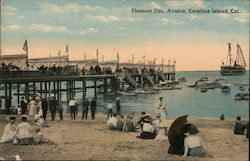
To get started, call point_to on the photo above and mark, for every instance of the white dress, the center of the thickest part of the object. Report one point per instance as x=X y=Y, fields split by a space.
x=161 y=135
x=33 y=108
x=24 y=130
x=162 y=110
x=9 y=133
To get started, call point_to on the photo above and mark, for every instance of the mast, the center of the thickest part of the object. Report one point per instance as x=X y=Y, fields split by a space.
x=229 y=56
x=240 y=53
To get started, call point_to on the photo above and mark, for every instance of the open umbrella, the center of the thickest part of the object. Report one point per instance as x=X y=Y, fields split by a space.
x=176 y=128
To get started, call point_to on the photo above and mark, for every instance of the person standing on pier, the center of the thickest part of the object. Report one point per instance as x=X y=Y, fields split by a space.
x=118 y=106
x=53 y=104
x=93 y=108
x=72 y=106
x=44 y=103
x=85 y=108
x=23 y=106
x=110 y=108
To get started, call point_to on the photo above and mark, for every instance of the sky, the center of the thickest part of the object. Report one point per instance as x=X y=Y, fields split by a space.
x=196 y=41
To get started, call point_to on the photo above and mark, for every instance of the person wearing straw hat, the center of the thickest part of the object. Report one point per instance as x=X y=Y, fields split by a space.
x=9 y=131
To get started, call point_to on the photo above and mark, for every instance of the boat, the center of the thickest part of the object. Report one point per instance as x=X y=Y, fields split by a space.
x=246 y=96
x=182 y=79
x=225 y=88
x=238 y=68
x=177 y=88
x=242 y=88
x=203 y=89
x=126 y=93
x=238 y=96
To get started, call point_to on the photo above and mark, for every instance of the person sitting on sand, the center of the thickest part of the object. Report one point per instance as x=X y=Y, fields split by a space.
x=9 y=131
x=128 y=125
x=222 y=117
x=112 y=122
x=40 y=122
x=120 y=122
x=24 y=134
x=39 y=137
x=141 y=121
x=148 y=130
x=246 y=126
x=238 y=127
x=192 y=144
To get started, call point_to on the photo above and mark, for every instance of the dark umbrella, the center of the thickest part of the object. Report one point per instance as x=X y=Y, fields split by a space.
x=176 y=128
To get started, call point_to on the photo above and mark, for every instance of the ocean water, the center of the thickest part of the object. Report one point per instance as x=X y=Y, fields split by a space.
x=190 y=101
x=187 y=101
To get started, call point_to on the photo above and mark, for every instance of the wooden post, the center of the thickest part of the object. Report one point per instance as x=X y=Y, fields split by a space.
x=83 y=89
x=54 y=87
x=18 y=93
x=57 y=89
x=46 y=88
x=10 y=90
x=95 y=89
x=34 y=88
x=105 y=85
x=41 y=89
x=6 y=90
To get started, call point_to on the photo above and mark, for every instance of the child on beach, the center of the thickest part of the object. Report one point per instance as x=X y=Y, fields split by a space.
x=238 y=127
x=24 y=134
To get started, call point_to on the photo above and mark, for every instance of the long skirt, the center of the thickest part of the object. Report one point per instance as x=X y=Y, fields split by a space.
x=197 y=152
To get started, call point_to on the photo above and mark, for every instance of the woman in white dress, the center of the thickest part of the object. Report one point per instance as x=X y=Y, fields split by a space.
x=9 y=131
x=32 y=107
x=24 y=131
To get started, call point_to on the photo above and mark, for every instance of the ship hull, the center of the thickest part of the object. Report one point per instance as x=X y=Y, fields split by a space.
x=233 y=70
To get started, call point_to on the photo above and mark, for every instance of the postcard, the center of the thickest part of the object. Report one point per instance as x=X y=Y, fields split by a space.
x=124 y=80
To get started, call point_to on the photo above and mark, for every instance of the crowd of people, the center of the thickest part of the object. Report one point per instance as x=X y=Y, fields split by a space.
x=151 y=126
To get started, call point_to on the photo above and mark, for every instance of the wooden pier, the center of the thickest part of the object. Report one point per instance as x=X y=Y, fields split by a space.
x=30 y=83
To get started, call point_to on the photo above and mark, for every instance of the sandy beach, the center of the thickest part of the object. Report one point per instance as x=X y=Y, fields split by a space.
x=92 y=140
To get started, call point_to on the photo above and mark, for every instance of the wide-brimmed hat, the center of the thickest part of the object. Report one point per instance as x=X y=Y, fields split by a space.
x=148 y=119
x=12 y=117
x=24 y=116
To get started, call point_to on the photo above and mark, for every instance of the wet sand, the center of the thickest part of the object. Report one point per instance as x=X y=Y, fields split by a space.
x=92 y=140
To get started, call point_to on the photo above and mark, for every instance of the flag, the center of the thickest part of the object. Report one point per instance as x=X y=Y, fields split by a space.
x=143 y=57
x=97 y=53
x=174 y=61
x=117 y=56
x=25 y=46
x=59 y=53
x=67 y=50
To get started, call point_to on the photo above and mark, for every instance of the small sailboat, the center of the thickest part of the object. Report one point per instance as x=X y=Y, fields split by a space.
x=241 y=88
x=225 y=88
x=238 y=96
x=204 y=89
